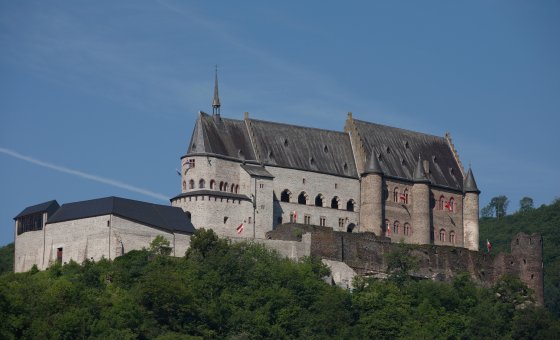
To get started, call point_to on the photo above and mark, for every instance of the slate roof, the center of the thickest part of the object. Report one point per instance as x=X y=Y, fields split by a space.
x=50 y=207
x=398 y=151
x=155 y=215
x=216 y=193
x=470 y=183
x=256 y=171
x=221 y=136
x=304 y=148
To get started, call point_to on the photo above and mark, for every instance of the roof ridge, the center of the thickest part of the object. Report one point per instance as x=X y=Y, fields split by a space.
x=400 y=129
x=298 y=126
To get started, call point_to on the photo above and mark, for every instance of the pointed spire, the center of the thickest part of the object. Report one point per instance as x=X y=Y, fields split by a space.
x=373 y=166
x=419 y=173
x=216 y=101
x=469 y=184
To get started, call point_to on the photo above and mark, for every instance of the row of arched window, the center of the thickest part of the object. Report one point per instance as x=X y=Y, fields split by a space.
x=400 y=197
x=303 y=198
x=448 y=205
x=396 y=228
x=443 y=237
x=223 y=186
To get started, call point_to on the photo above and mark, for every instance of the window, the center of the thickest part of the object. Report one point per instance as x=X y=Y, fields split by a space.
x=188 y=215
x=237 y=188
x=406 y=229
x=336 y=186
x=285 y=196
x=261 y=185
x=302 y=198
x=221 y=186
x=292 y=217
x=184 y=185
x=452 y=204
x=303 y=181
x=440 y=202
x=322 y=221
x=226 y=186
x=191 y=184
x=201 y=183
x=250 y=220
x=319 y=200
x=307 y=219
x=350 y=205
x=190 y=163
x=452 y=237
x=341 y=223
x=396 y=195
x=404 y=196
x=59 y=255
x=396 y=227
x=212 y=184
x=387 y=228
x=334 y=202
x=350 y=228
x=442 y=235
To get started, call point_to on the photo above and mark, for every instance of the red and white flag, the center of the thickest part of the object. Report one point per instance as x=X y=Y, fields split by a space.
x=240 y=228
x=389 y=231
x=448 y=205
x=295 y=217
x=403 y=197
x=488 y=245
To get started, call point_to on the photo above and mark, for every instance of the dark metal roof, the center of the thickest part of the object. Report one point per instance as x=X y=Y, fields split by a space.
x=155 y=215
x=215 y=193
x=373 y=166
x=470 y=183
x=222 y=136
x=257 y=171
x=50 y=207
x=303 y=148
x=398 y=150
x=420 y=173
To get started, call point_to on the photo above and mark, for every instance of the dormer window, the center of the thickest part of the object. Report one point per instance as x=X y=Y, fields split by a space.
x=326 y=149
x=286 y=142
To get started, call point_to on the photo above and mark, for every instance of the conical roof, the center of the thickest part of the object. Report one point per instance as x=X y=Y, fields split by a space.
x=216 y=100
x=373 y=166
x=470 y=184
x=419 y=173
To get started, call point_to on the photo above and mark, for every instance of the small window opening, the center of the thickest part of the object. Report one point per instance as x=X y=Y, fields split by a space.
x=302 y=199
x=225 y=219
x=350 y=205
x=59 y=255
x=319 y=200
x=326 y=149
x=334 y=202
x=285 y=141
x=285 y=196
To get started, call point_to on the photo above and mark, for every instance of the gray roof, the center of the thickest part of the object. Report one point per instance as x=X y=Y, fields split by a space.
x=221 y=136
x=215 y=193
x=155 y=215
x=373 y=166
x=303 y=148
x=420 y=173
x=257 y=171
x=398 y=150
x=49 y=207
x=470 y=183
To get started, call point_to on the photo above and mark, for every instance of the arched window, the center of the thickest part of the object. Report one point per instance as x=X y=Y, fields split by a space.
x=201 y=183
x=232 y=188
x=442 y=235
x=350 y=205
x=191 y=184
x=452 y=237
x=319 y=200
x=237 y=188
x=452 y=204
x=440 y=203
x=350 y=227
x=285 y=196
x=222 y=186
x=406 y=229
x=396 y=227
x=334 y=202
x=184 y=185
x=404 y=197
x=212 y=184
x=396 y=195
x=225 y=186
x=302 y=198
x=387 y=228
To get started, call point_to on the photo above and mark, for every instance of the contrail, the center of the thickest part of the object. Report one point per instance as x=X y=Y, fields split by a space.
x=84 y=175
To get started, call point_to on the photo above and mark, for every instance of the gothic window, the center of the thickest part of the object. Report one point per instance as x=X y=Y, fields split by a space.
x=387 y=228
x=307 y=219
x=440 y=202
x=334 y=202
x=406 y=229
x=452 y=204
x=184 y=185
x=285 y=196
x=237 y=188
x=404 y=196
x=221 y=186
x=226 y=186
x=191 y=184
x=340 y=223
x=442 y=235
x=396 y=195
x=396 y=227
x=201 y=183
x=350 y=205
x=452 y=237
x=302 y=198
x=319 y=200
x=232 y=188
x=322 y=221
x=212 y=184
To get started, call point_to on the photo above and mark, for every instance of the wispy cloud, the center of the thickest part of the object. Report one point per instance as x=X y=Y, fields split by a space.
x=77 y=173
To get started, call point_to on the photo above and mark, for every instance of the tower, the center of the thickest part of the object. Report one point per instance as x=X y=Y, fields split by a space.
x=470 y=212
x=216 y=100
x=371 y=207
x=420 y=206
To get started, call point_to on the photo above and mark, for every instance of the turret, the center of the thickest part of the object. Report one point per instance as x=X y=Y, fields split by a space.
x=470 y=212
x=421 y=217
x=371 y=207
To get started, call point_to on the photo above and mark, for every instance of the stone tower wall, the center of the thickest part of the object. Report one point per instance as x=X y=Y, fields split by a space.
x=421 y=214
x=371 y=206
x=528 y=254
x=470 y=221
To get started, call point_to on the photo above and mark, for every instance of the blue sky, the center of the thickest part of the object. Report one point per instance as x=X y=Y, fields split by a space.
x=99 y=98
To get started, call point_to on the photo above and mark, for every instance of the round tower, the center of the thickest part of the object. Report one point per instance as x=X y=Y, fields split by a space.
x=371 y=205
x=421 y=217
x=470 y=212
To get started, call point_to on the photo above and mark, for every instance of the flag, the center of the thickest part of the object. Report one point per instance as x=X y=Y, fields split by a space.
x=488 y=245
x=448 y=206
x=403 y=197
x=295 y=217
x=240 y=228
x=389 y=231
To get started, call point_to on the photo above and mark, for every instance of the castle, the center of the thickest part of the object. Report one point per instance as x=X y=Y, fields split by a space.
x=345 y=196
x=256 y=174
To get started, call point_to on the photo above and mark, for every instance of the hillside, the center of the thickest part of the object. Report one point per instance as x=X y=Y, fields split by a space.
x=243 y=291
x=544 y=220
x=7 y=258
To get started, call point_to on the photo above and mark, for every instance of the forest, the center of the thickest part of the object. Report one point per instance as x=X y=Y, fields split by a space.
x=244 y=291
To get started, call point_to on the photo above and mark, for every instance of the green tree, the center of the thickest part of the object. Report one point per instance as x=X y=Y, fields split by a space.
x=160 y=246
x=526 y=204
x=400 y=262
